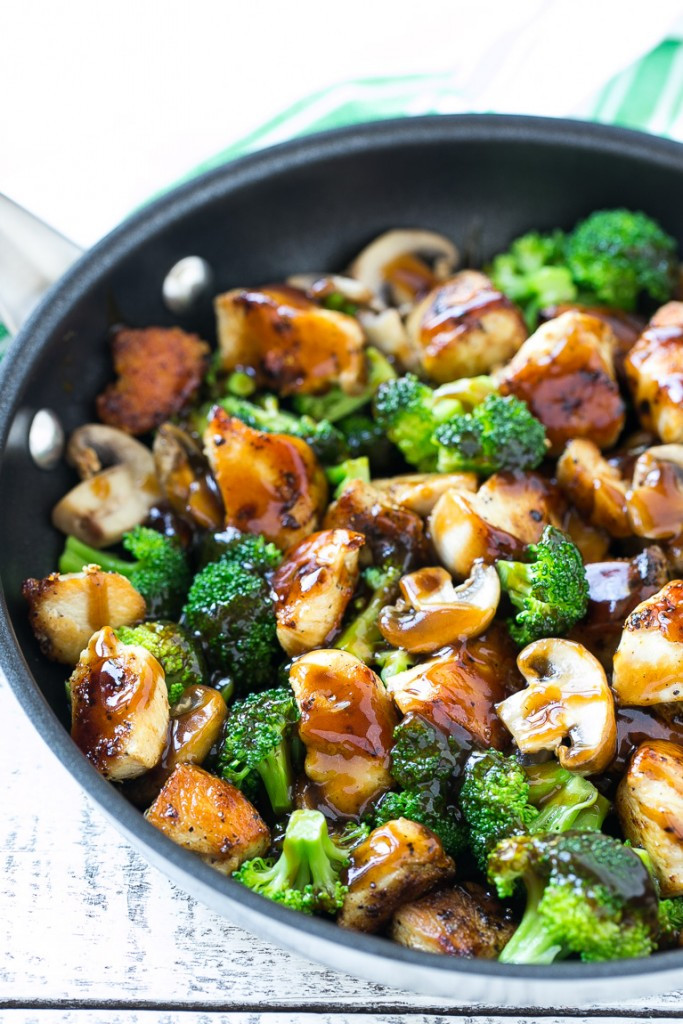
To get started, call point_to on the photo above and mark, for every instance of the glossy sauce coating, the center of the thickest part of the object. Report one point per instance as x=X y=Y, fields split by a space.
x=655 y=502
x=654 y=369
x=186 y=479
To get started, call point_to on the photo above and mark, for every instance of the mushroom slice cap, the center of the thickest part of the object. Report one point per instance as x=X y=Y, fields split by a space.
x=186 y=478
x=434 y=613
x=386 y=330
x=648 y=664
x=567 y=698
x=319 y=285
x=655 y=498
x=387 y=250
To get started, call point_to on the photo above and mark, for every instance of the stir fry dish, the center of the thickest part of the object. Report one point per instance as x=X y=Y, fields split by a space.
x=378 y=606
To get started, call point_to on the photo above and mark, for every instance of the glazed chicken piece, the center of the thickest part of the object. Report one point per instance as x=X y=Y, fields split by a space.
x=347 y=724
x=290 y=343
x=648 y=665
x=595 y=487
x=466 y=921
x=159 y=371
x=270 y=483
x=654 y=369
x=65 y=610
x=397 y=863
x=313 y=586
x=626 y=327
x=565 y=374
x=650 y=806
x=419 y=492
x=465 y=327
x=119 y=707
x=209 y=817
x=655 y=498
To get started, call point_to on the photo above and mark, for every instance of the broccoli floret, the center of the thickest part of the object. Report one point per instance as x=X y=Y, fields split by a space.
x=534 y=274
x=409 y=412
x=362 y=637
x=335 y=404
x=251 y=551
x=306 y=875
x=342 y=475
x=499 y=434
x=258 y=740
x=618 y=255
x=160 y=571
x=670 y=914
x=551 y=590
x=230 y=609
x=177 y=652
x=420 y=806
x=366 y=437
x=328 y=443
x=587 y=893
x=393 y=661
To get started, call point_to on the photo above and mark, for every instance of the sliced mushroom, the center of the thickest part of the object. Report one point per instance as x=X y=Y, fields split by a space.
x=118 y=490
x=648 y=665
x=434 y=613
x=313 y=586
x=186 y=478
x=654 y=370
x=210 y=817
x=419 y=492
x=398 y=862
x=119 y=707
x=321 y=286
x=465 y=327
x=66 y=609
x=650 y=807
x=655 y=498
x=393 y=263
x=567 y=699
x=596 y=488
x=463 y=920
x=461 y=534
x=386 y=330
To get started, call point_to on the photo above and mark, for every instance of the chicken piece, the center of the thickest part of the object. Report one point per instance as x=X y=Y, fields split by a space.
x=565 y=374
x=465 y=327
x=397 y=863
x=614 y=590
x=159 y=371
x=391 y=533
x=347 y=725
x=65 y=610
x=270 y=483
x=654 y=370
x=313 y=586
x=466 y=920
x=626 y=327
x=592 y=541
x=641 y=725
x=210 y=817
x=650 y=808
x=522 y=504
x=596 y=488
x=460 y=688
x=648 y=665
x=119 y=707
x=655 y=498
x=419 y=492
x=290 y=343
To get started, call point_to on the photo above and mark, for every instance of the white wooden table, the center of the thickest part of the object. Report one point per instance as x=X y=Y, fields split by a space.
x=89 y=933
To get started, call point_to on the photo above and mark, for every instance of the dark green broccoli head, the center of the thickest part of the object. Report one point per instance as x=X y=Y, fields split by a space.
x=551 y=590
x=618 y=255
x=422 y=806
x=251 y=551
x=335 y=404
x=230 y=609
x=422 y=755
x=405 y=409
x=177 y=652
x=671 y=918
x=257 y=740
x=500 y=434
x=364 y=436
x=340 y=476
x=587 y=893
x=306 y=875
x=533 y=273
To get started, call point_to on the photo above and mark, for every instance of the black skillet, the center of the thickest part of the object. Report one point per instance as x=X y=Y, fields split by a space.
x=308 y=205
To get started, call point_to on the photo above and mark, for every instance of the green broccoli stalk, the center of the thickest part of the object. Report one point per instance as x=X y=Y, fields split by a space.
x=160 y=571
x=251 y=551
x=587 y=893
x=342 y=475
x=177 y=652
x=336 y=404
x=533 y=273
x=339 y=303
x=362 y=637
x=564 y=800
x=258 y=740
x=619 y=255
x=393 y=661
x=551 y=590
x=500 y=434
x=328 y=443
x=409 y=412
x=306 y=875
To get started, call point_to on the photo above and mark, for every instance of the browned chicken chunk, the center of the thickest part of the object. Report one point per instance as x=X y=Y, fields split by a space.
x=313 y=586
x=654 y=368
x=159 y=371
x=270 y=483
x=210 y=817
x=291 y=344
x=466 y=921
x=648 y=665
x=626 y=327
x=65 y=610
x=398 y=862
x=391 y=532
x=595 y=487
x=347 y=725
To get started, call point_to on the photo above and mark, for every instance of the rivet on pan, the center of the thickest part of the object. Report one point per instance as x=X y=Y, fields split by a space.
x=188 y=281
x=46 y=439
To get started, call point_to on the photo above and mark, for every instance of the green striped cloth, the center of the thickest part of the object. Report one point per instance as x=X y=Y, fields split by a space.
x=647 y=95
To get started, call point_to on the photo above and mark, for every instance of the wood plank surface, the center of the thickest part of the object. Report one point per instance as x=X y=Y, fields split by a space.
x=85 y=922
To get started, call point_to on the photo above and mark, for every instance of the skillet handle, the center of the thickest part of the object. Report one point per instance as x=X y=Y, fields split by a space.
x=32 y=257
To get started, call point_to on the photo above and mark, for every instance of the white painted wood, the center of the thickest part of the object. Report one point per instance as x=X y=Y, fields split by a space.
x=84 y=921
x=192 y=1017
